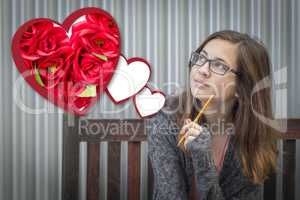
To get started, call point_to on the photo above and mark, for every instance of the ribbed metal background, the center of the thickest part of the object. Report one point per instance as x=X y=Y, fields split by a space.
x=162 y=32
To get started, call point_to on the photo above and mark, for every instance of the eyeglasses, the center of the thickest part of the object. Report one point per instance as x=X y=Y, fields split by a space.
x=215 y=66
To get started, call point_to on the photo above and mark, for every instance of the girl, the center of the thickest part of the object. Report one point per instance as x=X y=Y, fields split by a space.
x=230 y=152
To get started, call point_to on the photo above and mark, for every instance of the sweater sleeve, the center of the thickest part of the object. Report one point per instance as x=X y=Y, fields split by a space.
x=169 y=178
x=234 y=187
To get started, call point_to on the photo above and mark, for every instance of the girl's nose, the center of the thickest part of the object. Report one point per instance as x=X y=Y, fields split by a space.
x=204 y=70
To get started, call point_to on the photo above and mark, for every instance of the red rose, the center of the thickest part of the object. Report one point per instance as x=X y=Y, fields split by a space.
x=70 y=92
x=96 y=50
x=46 y=49
x=74 y=70
x=52 y=69
x=91 y=68
x=42 y=39
x=95 y=37
x=106 y=23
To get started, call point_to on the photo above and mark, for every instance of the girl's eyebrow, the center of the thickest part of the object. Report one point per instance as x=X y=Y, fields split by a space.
x=204 y=51
x=216 y=58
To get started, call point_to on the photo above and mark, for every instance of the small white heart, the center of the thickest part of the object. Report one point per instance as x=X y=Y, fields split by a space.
x=149 y=102
x=128 y=79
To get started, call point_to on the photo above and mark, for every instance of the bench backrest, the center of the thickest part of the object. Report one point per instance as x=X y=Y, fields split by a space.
x=78 y=130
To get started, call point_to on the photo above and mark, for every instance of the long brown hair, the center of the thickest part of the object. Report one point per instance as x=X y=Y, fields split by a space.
x=255 y=141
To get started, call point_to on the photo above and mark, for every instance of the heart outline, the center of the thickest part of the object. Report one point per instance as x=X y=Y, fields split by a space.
x=152 y=92
x=130 y=60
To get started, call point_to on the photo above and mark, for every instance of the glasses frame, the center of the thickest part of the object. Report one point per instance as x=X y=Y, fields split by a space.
x=227 y=68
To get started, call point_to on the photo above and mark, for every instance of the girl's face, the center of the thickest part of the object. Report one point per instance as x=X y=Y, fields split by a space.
x=204 y=82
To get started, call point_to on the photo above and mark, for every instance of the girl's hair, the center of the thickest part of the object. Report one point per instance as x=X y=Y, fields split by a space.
x=255 y=141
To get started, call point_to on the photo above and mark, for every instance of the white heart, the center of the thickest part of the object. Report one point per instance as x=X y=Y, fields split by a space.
x=149 y=102
x=128 y=79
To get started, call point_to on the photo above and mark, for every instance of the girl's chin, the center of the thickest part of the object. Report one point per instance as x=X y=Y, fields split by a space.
x=203 y=94
x=203 y=97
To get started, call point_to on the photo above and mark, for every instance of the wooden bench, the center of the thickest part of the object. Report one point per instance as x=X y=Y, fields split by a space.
x=77 y=130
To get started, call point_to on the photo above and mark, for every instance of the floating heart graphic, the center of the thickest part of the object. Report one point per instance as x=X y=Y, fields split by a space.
x=69 y=64
x=129 y=78
x=148 y=103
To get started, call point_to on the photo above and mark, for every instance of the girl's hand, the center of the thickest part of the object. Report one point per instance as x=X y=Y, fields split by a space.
x=196 y=137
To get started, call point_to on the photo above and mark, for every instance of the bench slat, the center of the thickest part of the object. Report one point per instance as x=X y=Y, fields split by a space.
x=289 y=167
x=70 y=174
x=150 y=180
x=113 y=182
x=93 y=171
x=270 y=187
x=134 y=173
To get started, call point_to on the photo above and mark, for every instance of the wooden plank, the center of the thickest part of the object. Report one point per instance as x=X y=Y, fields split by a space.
x=150 y=180
x=70 y=166
x=289 y=167
x=270 y=187
x=292 y=126
x=113 y=182
x=97 y=130
x=93 y=173
x=112 y=130
x=293 y=129
x=193 y=191
x=134 y=159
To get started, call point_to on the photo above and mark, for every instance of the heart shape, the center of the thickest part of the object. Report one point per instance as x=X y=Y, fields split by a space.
x=148 y=102
x=69 y=64
x=129 y=78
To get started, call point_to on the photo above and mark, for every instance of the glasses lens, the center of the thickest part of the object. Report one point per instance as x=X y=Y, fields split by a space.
x=194 y=58
x=218 y=67
x=198 y=59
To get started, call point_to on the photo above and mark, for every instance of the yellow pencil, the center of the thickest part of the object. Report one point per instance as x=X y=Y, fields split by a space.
x=198 y=116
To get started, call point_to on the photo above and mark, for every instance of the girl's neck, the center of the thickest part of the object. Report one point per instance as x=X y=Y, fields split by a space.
x=218 y=116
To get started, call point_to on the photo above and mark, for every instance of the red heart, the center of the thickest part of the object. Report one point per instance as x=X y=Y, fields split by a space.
x=60 y=68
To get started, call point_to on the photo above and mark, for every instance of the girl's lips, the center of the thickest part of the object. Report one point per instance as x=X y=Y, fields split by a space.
x=201 y=84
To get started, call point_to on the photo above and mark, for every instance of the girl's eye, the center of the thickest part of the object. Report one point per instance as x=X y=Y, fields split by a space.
x=202 y=58
x=219 y=65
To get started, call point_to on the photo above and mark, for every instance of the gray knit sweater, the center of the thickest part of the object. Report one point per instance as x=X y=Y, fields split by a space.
x=173 y=170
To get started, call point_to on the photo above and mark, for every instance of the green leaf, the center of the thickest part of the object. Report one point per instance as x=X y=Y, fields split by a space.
x=89 y=91
x=37 y=76
x=102 y=57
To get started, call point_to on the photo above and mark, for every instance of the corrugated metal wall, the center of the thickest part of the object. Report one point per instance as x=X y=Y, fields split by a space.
x=162 y=32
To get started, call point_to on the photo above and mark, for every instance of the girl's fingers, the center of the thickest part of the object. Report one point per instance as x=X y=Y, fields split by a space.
x=194 y=125
x=188 y=140
x=186 y=127
x=193 y=132
x=186 y=121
